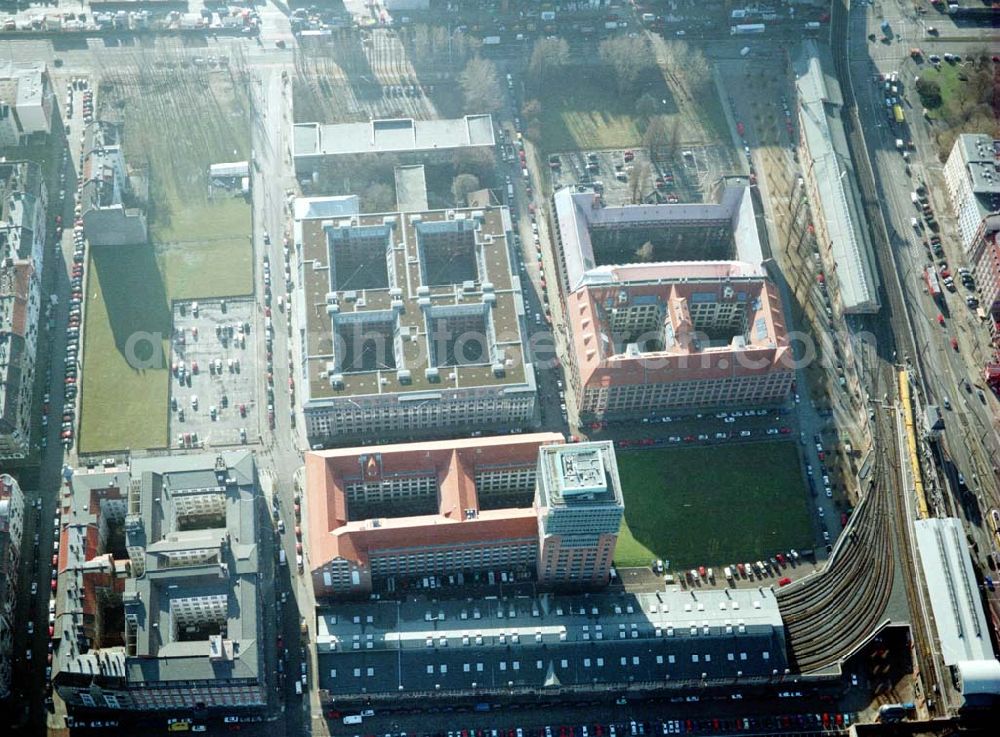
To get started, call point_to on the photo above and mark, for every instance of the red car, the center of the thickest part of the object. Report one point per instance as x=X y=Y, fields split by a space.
x=784 y=581
x=954 y=344
x=740 y=128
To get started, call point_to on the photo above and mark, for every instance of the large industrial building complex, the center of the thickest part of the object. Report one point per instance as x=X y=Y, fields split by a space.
x=520 y=503
x=11 y=534
x=689 y=327
x=23 y=200
x=831 y=184
x=165 y=596
x=549 y=646
x=411 y=322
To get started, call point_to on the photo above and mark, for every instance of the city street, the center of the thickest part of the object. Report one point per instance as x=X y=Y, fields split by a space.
x=971 y=437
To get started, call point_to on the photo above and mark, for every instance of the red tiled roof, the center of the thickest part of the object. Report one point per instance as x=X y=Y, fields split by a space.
x=331 y=536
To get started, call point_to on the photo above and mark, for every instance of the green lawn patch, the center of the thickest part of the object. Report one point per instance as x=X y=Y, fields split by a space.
x=712 y=505
x=204 y=251
x=124 y=401
x=946 y=77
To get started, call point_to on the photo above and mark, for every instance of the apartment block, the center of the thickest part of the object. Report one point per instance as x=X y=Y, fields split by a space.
x=166 y=588
x=412 y=322
x=461 y=507
x=111 y=199
x=972 y=176
x=11 y=534
x=22 y=246
x=26 y=102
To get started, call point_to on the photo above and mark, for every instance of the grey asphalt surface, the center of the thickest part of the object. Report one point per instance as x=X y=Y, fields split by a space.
x=226 y=385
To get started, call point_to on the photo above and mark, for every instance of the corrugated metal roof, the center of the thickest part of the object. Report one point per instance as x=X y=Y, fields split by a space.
x=951 y=584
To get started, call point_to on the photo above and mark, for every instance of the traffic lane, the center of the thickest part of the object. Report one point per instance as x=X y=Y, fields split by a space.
x=896 y=190
x=699 y=708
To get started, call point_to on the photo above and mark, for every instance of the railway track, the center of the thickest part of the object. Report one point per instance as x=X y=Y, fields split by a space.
x=830 y=614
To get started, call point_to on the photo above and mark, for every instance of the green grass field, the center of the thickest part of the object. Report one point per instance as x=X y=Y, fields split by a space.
x=129 y=297
x=712 y=505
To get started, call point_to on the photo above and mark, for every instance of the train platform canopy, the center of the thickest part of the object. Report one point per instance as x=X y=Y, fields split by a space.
x=953 y=592
x=832 y=180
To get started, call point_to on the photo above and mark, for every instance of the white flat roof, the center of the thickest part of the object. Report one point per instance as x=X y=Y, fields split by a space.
x=951 y=584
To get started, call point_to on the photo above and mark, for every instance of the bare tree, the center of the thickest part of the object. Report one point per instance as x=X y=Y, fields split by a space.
x=636 y=179
x=628 y=59
x=644 y=252
x=549 y=57
x=481 y=86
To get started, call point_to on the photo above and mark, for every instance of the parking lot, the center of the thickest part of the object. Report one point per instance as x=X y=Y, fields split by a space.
x=631 y=176
x=213 y=398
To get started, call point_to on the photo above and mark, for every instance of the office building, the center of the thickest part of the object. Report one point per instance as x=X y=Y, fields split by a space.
x=473 y=506
x=659 y=315
x=11 y=533
x=166 y=593
x=411 y=322
x=579 y=502
x=406 y=141
x=549 y=648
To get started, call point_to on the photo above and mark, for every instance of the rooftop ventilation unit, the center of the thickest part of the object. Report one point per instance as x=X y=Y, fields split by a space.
x=337 y=381
x=432 y=375
x=404 y=376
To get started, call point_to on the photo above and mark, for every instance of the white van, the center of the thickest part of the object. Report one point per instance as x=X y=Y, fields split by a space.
x=353 y=719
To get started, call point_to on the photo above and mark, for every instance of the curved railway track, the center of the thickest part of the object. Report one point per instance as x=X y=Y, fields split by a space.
x=830 y=614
